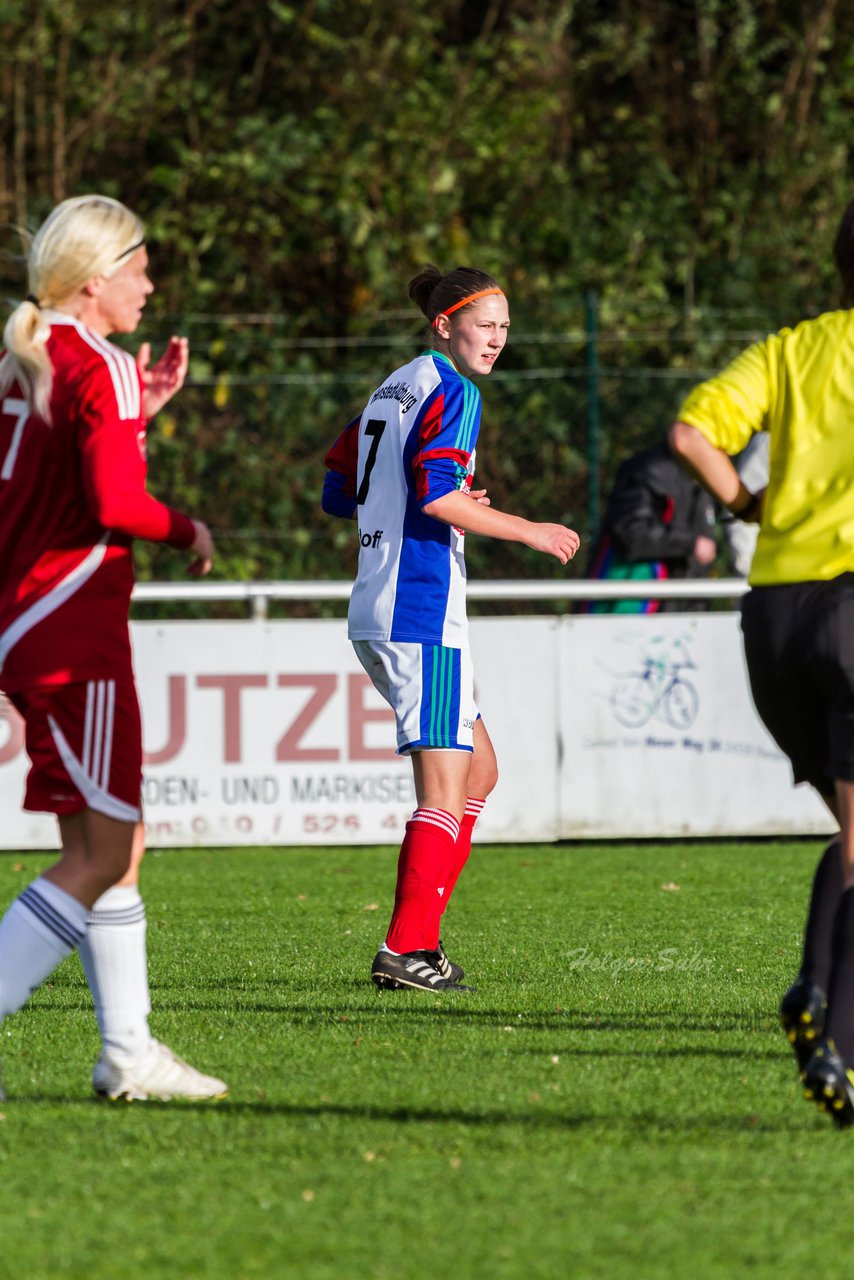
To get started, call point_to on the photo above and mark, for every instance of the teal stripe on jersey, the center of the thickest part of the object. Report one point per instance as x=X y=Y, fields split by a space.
x=471 y=403
x=463 y=433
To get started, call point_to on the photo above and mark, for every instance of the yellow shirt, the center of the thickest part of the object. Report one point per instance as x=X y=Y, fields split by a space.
x=798 y=385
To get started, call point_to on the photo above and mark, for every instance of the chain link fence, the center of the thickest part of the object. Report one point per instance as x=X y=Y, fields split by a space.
x=244 y=443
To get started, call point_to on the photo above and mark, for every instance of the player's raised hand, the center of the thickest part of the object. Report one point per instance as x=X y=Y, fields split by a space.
x=162 y=380
x=555 y=540
x=202 y=548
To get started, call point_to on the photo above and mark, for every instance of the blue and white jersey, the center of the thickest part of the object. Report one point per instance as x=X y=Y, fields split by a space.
x=414 y=443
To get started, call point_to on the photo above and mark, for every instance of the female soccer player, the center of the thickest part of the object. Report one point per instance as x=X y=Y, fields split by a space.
x=73 y=413
x=798 y=385
x=405 y=469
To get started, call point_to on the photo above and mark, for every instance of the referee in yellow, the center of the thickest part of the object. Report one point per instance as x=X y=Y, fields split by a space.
x=798 y=622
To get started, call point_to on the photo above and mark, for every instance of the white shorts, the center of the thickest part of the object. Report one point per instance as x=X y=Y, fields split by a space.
x=429 y=688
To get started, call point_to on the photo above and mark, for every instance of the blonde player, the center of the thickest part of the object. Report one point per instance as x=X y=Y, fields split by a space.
x=73 y=412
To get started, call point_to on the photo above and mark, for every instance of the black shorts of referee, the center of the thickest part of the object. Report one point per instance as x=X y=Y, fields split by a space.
x=799 y=646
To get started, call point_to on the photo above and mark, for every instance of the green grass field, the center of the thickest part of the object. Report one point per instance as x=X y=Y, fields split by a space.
x=615 y=1100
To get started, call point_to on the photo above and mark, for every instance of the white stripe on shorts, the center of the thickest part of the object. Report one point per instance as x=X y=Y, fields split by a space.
x=91 y=775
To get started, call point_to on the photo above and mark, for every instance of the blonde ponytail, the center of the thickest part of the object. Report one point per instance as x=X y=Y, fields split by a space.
x=83 y=237
x=26 y=360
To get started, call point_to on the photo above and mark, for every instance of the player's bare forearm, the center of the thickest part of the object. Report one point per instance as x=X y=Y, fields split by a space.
x=202 y=549
x=472 y=516
x=711 y=466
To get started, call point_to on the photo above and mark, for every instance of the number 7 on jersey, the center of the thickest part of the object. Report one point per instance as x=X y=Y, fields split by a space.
x=20 y=411
x=374 y=429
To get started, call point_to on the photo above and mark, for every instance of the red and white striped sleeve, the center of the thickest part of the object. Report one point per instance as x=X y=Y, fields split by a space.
x=111 y=442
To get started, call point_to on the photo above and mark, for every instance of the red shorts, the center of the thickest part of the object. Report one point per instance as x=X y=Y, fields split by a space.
x=84 y=741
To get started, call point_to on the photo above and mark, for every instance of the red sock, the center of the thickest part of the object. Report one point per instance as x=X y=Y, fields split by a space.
x=459 y=857
x=425 y=855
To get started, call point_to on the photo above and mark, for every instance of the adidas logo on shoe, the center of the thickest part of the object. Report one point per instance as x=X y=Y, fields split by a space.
x=443 y=966
x=409 y=970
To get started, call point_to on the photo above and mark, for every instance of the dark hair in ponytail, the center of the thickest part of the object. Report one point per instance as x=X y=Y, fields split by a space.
x=843 y=253
x=434 y=293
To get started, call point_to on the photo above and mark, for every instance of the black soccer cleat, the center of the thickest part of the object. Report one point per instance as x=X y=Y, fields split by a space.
x=803 y=1010
x=391 y=973
x=443 y=966
x=830 y=1084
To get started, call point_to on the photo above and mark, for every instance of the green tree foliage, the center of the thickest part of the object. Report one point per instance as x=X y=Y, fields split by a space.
x=296 y=162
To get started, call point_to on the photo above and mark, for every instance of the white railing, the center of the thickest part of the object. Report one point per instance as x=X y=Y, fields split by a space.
x=259 y=594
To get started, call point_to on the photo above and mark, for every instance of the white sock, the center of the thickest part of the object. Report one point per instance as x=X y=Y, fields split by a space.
x=114 y=959
x=42 y=926
x=389 y=951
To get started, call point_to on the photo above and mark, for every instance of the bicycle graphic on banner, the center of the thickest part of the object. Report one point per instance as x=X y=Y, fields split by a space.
x=659 y=688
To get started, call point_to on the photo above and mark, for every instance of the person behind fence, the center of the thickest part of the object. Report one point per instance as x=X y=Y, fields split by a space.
x=798 y=622
x=658 y=525
x=404 y=468
x=73 y=413
x=740 y=535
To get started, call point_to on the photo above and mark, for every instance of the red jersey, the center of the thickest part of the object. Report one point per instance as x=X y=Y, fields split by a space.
x=72 y=498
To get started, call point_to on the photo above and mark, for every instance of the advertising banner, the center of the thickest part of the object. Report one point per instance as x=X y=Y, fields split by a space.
x=271 y=733
x=604 y=726
x=660 y=736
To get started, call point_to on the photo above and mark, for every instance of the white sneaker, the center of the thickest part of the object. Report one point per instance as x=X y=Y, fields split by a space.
x=159 y=1074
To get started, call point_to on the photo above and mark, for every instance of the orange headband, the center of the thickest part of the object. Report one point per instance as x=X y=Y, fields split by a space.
x=472 y=297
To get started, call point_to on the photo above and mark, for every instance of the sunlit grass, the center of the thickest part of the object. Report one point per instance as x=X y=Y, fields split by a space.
x=615 y=1099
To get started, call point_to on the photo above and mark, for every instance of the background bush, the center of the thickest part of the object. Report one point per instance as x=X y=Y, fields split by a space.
x=682 y=165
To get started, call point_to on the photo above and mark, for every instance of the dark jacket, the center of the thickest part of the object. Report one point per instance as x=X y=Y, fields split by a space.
x=655 y=514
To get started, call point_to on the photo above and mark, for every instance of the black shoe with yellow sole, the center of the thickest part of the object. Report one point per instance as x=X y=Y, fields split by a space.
x=803 y=1010
x=830 y=1084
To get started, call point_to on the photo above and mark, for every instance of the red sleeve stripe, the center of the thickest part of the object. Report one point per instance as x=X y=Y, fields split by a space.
x=343 y=457
x=432 y=455
x=431 y=423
